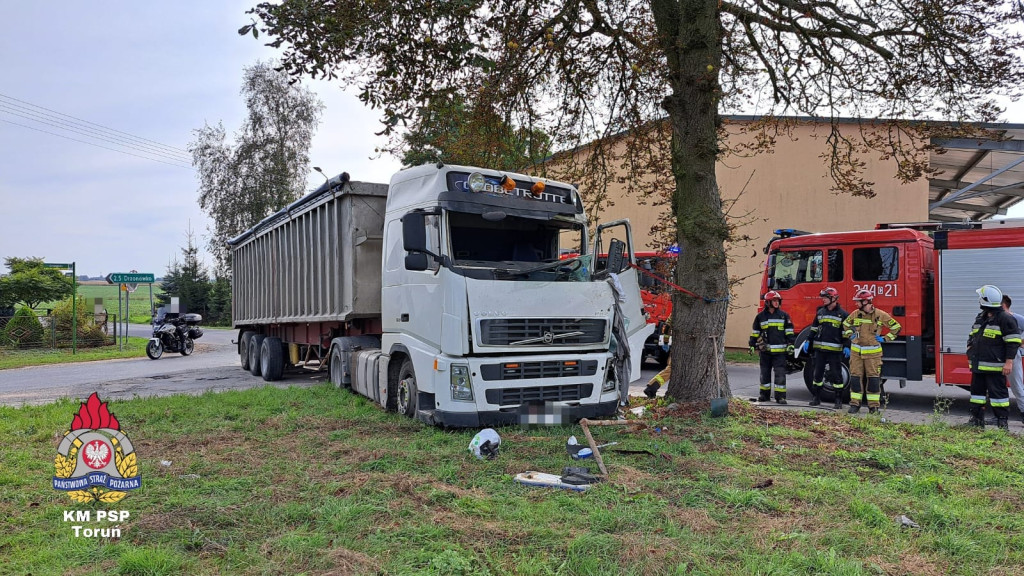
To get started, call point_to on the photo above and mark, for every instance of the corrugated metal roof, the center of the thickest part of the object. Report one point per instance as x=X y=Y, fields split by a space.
x=979 y=178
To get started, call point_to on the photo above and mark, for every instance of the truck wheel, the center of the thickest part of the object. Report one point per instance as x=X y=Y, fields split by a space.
x=189 y=347
x=828 y=393
x=408 y=394
x=334 y=368
x=243 y=349
x=154 y=349
x=254 y=353
x=271 y=359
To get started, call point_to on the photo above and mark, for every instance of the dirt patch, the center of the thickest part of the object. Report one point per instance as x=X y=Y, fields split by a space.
x=349 y=563
x=909 y=564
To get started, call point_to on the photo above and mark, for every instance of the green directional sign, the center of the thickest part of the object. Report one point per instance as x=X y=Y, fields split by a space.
x=57 y=265
x=130 y=278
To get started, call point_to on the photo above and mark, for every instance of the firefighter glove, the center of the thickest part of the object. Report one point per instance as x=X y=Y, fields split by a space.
x=880 y=338
x=751 y=349
x=790 y=348
x=846 y=352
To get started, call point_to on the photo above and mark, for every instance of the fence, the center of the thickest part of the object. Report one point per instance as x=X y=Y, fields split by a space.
x=49 y=331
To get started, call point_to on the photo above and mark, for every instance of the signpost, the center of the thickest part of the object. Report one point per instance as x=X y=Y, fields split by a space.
x=74 y=299
x=128 y=282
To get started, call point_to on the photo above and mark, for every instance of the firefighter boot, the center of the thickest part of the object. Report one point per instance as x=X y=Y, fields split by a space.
x=977 y=419
x=764 y=395
x=1003 y=423
x=780 y=398
x=839 y=401
x=815 y=395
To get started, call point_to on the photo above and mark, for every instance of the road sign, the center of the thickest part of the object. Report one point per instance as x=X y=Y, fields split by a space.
x=56 y=265
x=130 y=278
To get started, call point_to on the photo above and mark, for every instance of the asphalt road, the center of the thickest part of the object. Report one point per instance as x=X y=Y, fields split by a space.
x=214 y=367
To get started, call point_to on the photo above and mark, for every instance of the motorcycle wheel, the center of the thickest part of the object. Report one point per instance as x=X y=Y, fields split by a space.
x=189 y=347
x=154 y=349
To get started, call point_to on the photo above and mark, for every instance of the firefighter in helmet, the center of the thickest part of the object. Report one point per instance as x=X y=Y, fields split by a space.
x=863 y=327
x=829 y=345
x=773 y=337
x=991 y=348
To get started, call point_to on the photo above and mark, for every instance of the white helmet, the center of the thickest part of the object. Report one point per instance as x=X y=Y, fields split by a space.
x=989 y=296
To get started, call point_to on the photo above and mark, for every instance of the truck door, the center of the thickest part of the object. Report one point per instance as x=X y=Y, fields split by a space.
x=635 y=320
x=798 y=276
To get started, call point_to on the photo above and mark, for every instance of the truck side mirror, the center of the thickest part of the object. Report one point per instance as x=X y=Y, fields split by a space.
x=416 y=261
x=616 y=255
x=414 y=232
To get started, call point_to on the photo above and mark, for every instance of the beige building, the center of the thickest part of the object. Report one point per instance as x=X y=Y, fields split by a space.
x=789 y=187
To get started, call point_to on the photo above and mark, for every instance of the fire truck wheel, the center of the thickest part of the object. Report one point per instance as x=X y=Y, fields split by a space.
x=408 y=394
x=254 y=353
x=243 y=348
x=828 y=393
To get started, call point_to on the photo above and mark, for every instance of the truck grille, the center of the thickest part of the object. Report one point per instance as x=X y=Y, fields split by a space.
x=503 y=332
x=532 y=370
x=515 y=396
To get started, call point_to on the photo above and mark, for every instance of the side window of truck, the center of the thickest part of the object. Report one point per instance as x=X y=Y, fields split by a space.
x=792 y=268
x=835 y=266
x=433 y=223
x=874 y=264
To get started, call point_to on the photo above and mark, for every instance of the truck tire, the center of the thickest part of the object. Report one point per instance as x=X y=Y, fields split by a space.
x=407 y=394
x=243 y=348
x=254 y=353
x=828 y=393
x=271 y=359
x=334 y=369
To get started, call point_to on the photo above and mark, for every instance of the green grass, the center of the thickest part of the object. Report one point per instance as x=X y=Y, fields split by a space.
x=139 y=311
x=740 y=357
x=317 y=481
x=135 y=348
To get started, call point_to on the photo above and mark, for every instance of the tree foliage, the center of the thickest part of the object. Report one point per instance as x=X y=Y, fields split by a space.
x=449 y=130
x=188 y=280
x=584 y=71
x=265 y=167
x=30 y=283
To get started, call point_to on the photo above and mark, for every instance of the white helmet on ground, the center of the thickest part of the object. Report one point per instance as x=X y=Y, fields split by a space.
x=989 y=296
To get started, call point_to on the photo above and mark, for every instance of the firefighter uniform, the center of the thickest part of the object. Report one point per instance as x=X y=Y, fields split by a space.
x=863 y=330
x=994 y=338
x=827 y=341
x=773 y=336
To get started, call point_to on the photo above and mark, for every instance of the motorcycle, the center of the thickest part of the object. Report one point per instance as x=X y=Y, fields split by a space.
x=174 y=332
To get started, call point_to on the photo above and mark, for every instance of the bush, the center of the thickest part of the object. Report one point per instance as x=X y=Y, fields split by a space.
x=89 y=333
x=23 y=330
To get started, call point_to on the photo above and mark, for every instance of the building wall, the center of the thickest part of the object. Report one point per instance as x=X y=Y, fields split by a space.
x=788 y=188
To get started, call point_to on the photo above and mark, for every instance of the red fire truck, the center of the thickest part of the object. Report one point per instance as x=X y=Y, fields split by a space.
x=924 y=275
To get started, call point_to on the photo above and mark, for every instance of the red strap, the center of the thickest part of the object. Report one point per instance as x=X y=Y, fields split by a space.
x=659 y=278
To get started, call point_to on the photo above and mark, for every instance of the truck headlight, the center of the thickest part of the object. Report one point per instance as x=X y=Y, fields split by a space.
x=609 y=380
x=462 y=385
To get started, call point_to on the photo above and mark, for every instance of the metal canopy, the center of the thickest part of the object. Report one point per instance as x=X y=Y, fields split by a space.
x=978 y=178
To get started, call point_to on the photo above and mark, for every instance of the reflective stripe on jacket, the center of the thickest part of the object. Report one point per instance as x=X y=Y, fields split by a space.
x=775 y=329
x=862 y=329
x=994 y=337
x=827 y=329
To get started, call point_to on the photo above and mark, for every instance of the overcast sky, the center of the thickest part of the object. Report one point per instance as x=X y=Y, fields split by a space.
x=152 y=70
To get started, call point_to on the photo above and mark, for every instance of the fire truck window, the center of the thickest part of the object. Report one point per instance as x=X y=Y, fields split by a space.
x=876 y=263
x=792 y=268
x=835 y=266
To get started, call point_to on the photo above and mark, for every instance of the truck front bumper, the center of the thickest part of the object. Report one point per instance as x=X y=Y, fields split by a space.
x=526 y=415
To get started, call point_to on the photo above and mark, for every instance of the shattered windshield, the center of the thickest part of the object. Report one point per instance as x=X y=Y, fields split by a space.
x=514 y=248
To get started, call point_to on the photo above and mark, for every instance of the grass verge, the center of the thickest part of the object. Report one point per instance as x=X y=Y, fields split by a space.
x=135 y=348
x=318 y=481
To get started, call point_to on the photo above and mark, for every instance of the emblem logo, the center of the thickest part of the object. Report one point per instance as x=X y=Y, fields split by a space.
x=95 y=461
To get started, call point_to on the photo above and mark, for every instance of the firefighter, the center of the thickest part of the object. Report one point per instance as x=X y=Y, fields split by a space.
x=863 y=327
x=666 y=373
x=829 y=345
x=773 y=337
x=991 y=348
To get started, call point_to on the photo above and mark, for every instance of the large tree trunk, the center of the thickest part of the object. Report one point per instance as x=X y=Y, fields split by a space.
x=690 y=36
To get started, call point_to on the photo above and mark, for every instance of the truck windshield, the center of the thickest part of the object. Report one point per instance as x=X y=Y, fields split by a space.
x=787 y=269
x=515 y=248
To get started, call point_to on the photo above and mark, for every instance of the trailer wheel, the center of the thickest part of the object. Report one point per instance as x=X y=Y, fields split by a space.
x=271 y=359
x=334 y=369
x=254 y=353
x=243 y=349
x=408 y=393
